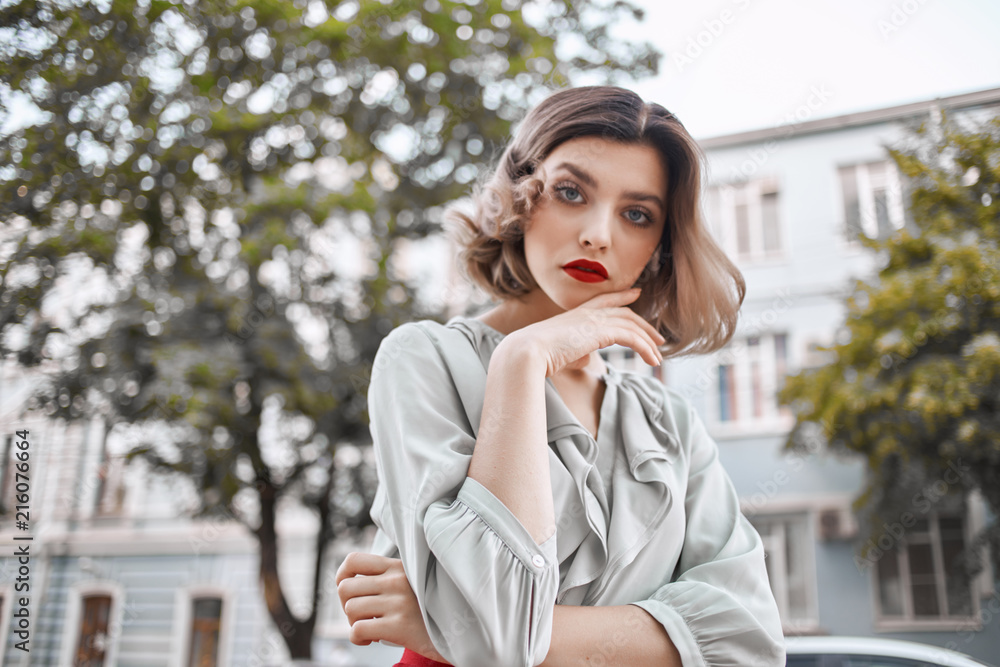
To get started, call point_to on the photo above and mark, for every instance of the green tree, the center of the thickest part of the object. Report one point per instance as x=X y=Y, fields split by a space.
x=181 y=187
x=914 y=381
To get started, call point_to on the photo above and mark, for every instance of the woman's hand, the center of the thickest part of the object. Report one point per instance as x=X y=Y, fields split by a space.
x=380 y=604
x=568 y=339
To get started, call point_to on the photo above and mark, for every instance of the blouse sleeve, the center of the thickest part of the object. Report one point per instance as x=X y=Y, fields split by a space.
x=718 y=610
x=485 y=588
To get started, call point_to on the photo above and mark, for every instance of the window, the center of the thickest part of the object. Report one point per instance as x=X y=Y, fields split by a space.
x=882 y=661
x=727 y=392
x=790 y=568
x=750 y=373
x=873 y=199
x=110 y=494
x=817 y=354
x=919 y=578
x=746 y=219
x=93 y=642
x=206 y=625
x=94 y=623
x=6 y=476
x=803 y=661
x=6 y=608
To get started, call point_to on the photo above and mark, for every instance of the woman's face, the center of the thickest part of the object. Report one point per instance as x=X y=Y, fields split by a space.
x=603 y=208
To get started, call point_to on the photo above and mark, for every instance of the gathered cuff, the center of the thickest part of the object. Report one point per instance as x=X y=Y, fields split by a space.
x=677 y=629
x=490 y=596
x=535 y=557
x=709 y=628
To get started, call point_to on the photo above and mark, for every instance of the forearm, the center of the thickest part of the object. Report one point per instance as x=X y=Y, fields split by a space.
x=619 y=635
x=511 y=457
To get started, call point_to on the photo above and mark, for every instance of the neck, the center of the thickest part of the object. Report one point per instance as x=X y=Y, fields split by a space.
x=518 y=312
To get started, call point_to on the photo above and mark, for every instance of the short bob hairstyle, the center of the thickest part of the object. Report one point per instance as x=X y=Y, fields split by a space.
x=691 y=291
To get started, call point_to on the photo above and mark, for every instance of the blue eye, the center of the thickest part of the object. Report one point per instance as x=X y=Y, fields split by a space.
x=565 y=190
x=570 y=193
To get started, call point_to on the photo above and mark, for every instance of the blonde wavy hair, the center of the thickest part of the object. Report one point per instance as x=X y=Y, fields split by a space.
x=691 y=291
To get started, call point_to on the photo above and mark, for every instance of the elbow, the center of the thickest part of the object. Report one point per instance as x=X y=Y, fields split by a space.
x=468 y=639
x=473 y=656
x=470 y=646
x=771 y=652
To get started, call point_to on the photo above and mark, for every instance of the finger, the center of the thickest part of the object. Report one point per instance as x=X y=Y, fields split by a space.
x=647 y=350
x=365 y=632
x=364 y=607
x=609 y=298
x=361 y=563
x=655 y=336
x=357 y=586
x=640 y=342
x=632 y=322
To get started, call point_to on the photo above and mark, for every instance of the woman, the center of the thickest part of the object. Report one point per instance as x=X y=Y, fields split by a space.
x=536 y=505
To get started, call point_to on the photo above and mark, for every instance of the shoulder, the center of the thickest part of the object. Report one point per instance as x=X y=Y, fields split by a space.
x=423 y=346
x=405 y=334
x=403 y=347
x=418 y=333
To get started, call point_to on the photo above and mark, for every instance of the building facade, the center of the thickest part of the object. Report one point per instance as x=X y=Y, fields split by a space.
x=119 y=574
x=788 y=204
x=118 y=578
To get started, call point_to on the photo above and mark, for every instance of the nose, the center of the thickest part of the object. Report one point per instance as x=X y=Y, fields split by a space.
x=596 y=229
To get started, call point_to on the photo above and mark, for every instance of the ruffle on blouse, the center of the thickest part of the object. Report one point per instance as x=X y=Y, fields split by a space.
x=600 y=542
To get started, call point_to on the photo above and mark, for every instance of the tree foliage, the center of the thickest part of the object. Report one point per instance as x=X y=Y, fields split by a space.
x=914 y=384
x=203 y=205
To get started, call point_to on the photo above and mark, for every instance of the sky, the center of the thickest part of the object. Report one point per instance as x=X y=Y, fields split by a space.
x=735 y=65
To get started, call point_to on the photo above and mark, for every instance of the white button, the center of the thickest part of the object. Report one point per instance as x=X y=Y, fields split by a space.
x=537 y=561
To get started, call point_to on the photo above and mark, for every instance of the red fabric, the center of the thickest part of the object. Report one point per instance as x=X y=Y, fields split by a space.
x=414 y=659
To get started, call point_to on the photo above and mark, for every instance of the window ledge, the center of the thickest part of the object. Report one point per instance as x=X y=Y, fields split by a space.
x=763 y=261
x=776 y=426
x=956 y=624
x=804 y=627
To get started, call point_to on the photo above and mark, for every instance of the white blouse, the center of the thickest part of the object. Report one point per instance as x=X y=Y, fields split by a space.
x=674 y=541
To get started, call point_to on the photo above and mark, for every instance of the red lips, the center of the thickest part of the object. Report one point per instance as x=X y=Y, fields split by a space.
x=586 y=271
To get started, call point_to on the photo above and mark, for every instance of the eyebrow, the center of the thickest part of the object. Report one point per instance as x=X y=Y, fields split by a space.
x=589 y=180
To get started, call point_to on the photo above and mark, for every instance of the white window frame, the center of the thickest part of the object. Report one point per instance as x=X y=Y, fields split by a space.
x=71 y=635
x=7 y=472
x=866 y=183
x=721 y=209
x=6 y=610
x=774 y=544
x=908 y=622
x=742 y=356
x=110 y=502
x=183 y=601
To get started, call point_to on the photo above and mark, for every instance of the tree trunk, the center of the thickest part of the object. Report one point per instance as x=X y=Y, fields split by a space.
x=296 y=633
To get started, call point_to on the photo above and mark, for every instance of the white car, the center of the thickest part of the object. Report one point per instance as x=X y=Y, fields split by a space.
x=870 y=652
